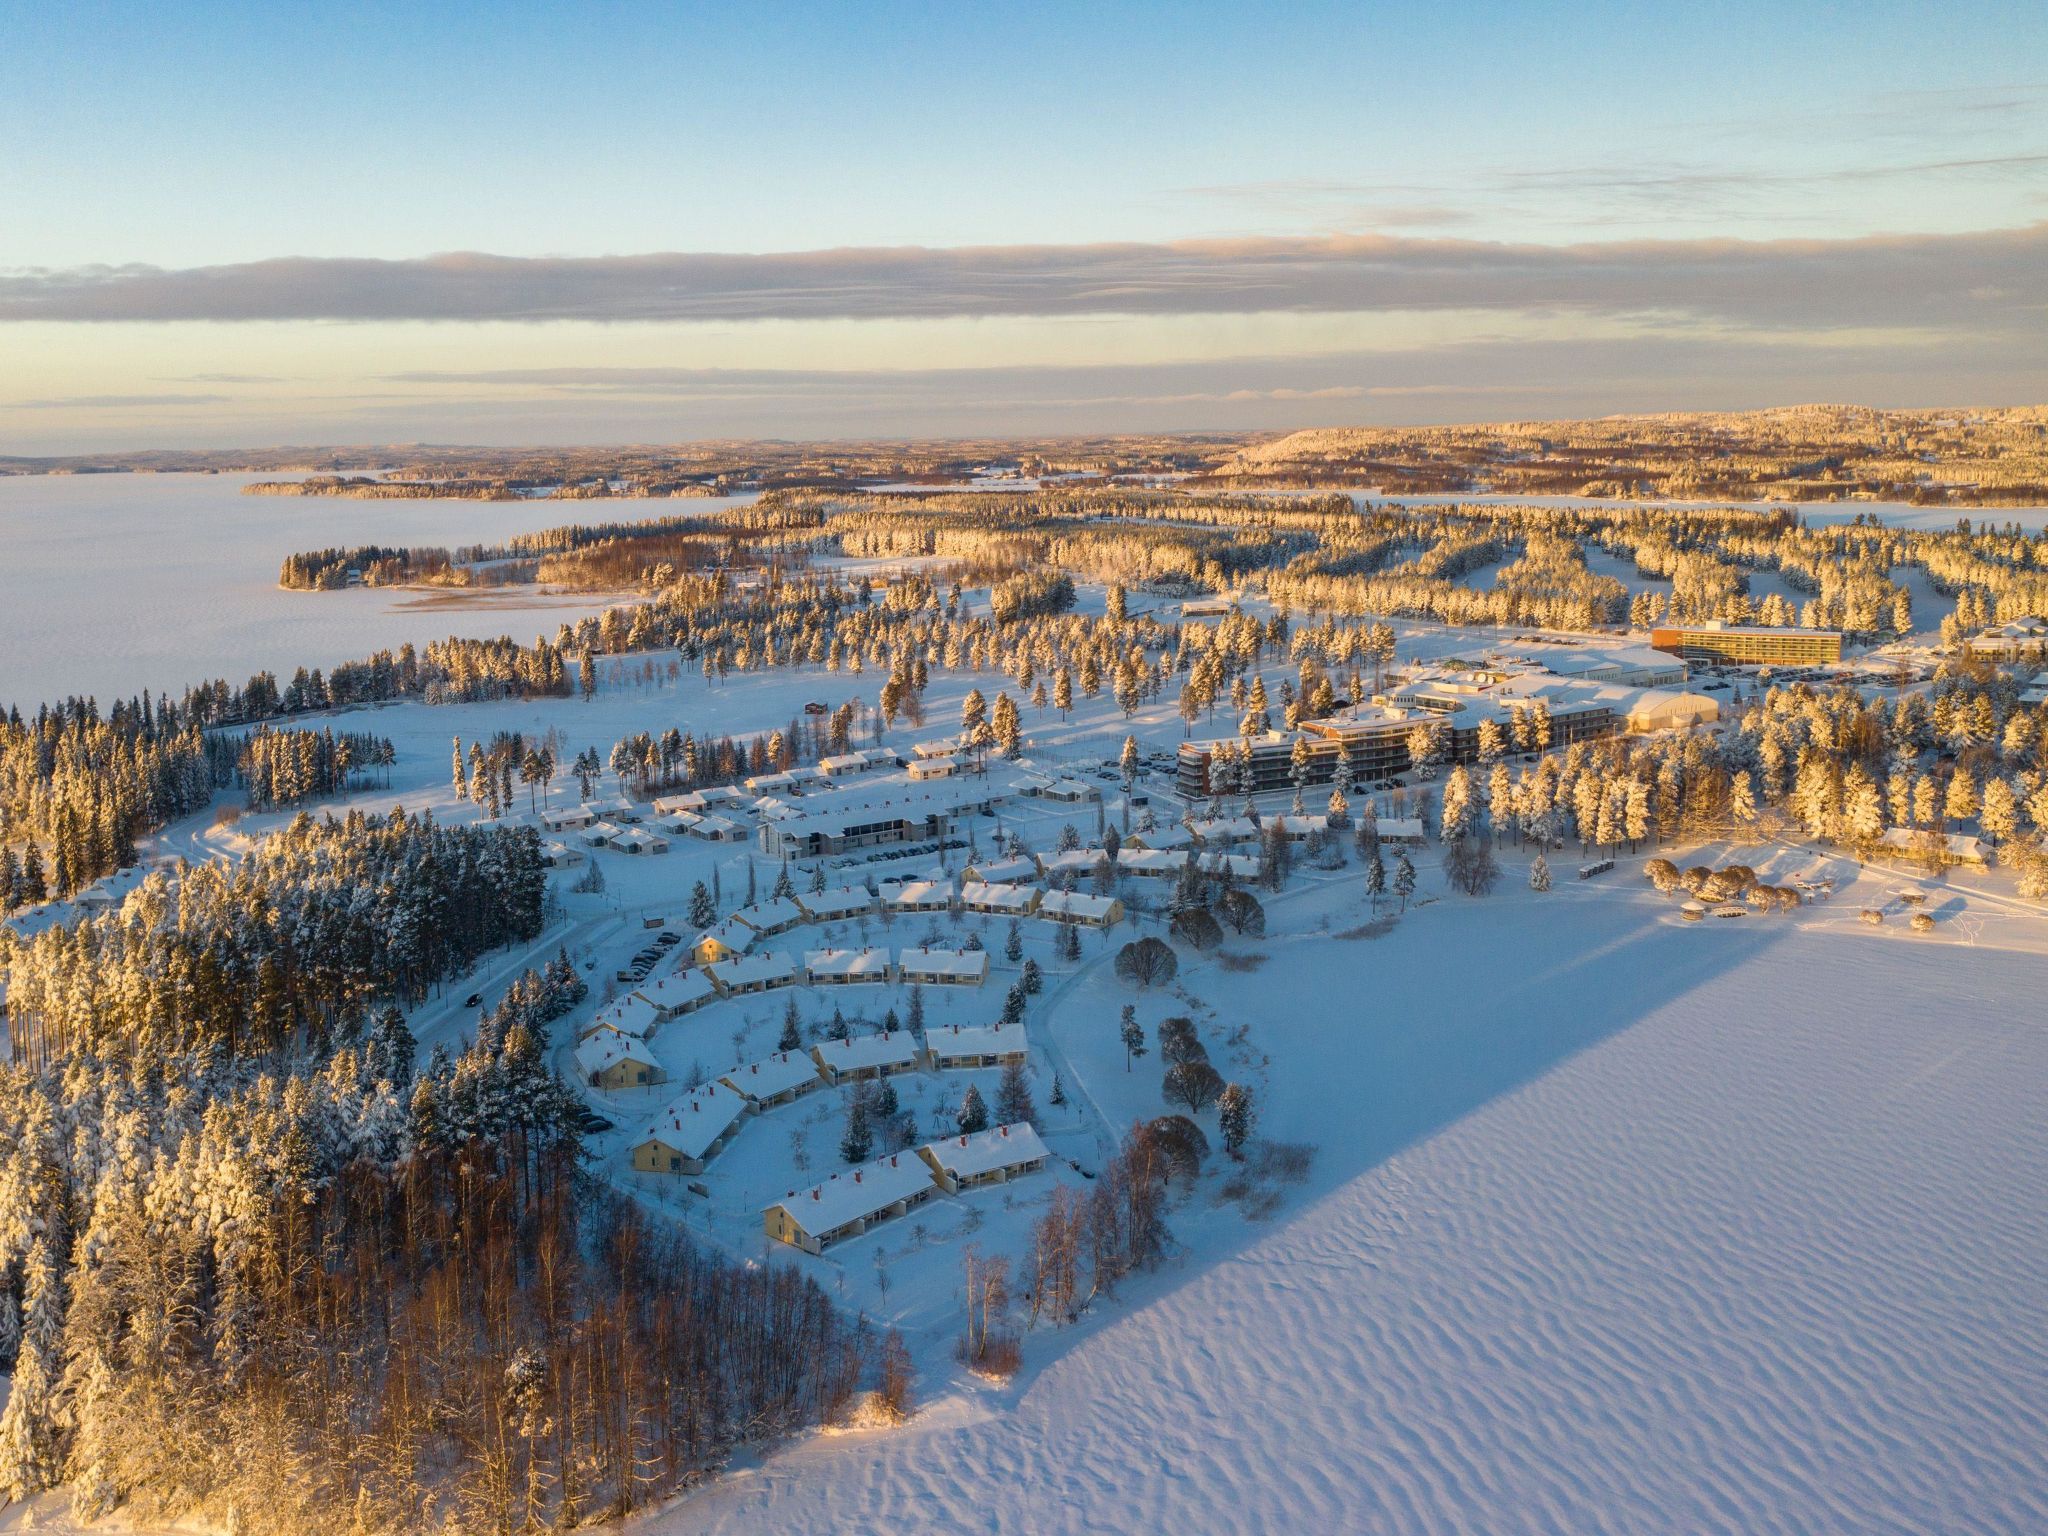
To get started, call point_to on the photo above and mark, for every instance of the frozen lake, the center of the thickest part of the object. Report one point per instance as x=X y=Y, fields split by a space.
x=114 y=583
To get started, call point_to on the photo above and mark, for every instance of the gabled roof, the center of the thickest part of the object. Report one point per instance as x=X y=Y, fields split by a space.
x=741 y=969
x=1000 y=1146
x=679 y=991
x=872 y=961
x=694 y=1120
x=836 y=902
x=857 y=1193
x=773 y=1075
x=764 y=915
x=1008 y=898
x=975 y=1039
x=1076 y=904
x=607 y=1048
x=857 y=1052
x=945 y=962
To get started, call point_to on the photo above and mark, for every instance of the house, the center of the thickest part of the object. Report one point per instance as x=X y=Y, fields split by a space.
x=920 y=896
x=567 y=818
x=843 y=763
x=1002 y=871
x=779 y=1079
x=859 y=1057
x=673 y=996
x=1066 y=791
x=927 y=768
x=1299 y=828
x=752 y=973
x=1953 y=847
x=942 y=967
x=962 y=1046
x=934 y=749
x=610 y=1060
x=680 y=823
x=613 y=808
x=848 y=1203
x=559 y=855
x=1075 y=861
x=631 y=1015
x=599 y=834
x=1237 y=866
x=2016 y=637
x=993 y=1156
x=719 y=829
x=846 y=967
x=693 y=1129
x=1082 y=910
x=837 y=903
x=770 y=783
x=1403 y=830
x=1153 y=863
x=723 y=942
x=768 y=918
x=678 y=805
x=881 y=757
x=1225 y=829
x=999 y=900
x=639 y=840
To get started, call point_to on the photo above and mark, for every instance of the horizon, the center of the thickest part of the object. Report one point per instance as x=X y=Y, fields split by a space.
x=905 y=223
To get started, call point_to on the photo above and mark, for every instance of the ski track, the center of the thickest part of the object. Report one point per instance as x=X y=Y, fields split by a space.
x=1770 y=1260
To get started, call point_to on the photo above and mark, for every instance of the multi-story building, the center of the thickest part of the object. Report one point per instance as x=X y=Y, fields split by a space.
x=1754 y=644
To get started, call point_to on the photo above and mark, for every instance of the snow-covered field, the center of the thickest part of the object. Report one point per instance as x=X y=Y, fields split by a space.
x=1623 y=1226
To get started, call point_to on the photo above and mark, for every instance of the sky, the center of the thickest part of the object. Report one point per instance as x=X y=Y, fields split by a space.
x=240 y=225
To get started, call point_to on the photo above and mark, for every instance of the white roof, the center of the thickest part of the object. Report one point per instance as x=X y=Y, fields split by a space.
x=602 y=831
x=764 y=915
x=1009 y=898
x=771 y=966
x=630 y=1015
x=1079 y=860
x=1152 y=859
x=1000 y=1146
x=975 y=1039
x=1076 y=904
x=838 y=901
x=1303 y=824
x=856 y=1052
x=920 y=893
x=945 y=962
x=639 y=837
x=1241 y=866
x=857 y=1193
x=671 y=805
x=843 y=760
x=678 y=991
x=1006 y=871
x=1408 y=827
x=1224 y=829
x=732 y=935
x=694 y=1120
x=716 y=826
x=771 y=1075
x=607 y=1048
x=847 y=962
x=609 y=805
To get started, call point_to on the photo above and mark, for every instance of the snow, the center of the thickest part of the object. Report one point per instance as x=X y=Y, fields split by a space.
x=866 y=1053
x=997 y=1148
x=1640 y=1228
x=694 y=1121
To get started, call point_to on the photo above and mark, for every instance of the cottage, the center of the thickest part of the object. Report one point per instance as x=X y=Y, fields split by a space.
x=723 y=942
x=920 y=896
x=1298 y=828
x=927 y=768
x=846 y=967
x=719 y=829
x=599 y=834
x=779 y=1079
x=931 y=749
x=999 y=900
x=678 y=805
x=567 y=818
x=965 y=1046
x=837 y=903
x=639 y=840
x=752 y=973
x=610 y=1060
x=684 y=992
x=1078 y=862
x=770 y=783
x=1237 y=866
x=691 y=1131
x=1081 y=909
x=768 y=918
x=1002 y=871
x=846 y=1204
x=631 y=1015
x=859 y=1057
x=1949 y=847
x=1069 y=792
x=560 y=855
x=993 y=1156
x=942 y=967
x=1153 y=863
x=613 y=808
x=843 y=763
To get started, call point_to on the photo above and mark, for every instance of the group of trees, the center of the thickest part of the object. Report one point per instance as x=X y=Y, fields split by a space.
x=283 y=767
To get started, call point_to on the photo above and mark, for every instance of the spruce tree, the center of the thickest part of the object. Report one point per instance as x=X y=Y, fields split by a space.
x=1013 y=1097
x=792 y=1037
x=859 y=1141
x=973 y=1114
x=29 y=1461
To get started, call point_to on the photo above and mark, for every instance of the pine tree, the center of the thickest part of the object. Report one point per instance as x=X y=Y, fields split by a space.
x=703 y=911
x=1539 y=874
x=1013 y=1097
x=973 y=1114
x=1132 y=1033
x=783 y=890
x=791 y=1038
x=859 y=1141
x=1404 y=877
x=1235 y=1116
x=1032 y=978
x=1058 y=1097
x=1013 y=943
x=29 y=1461
x=914 y=1010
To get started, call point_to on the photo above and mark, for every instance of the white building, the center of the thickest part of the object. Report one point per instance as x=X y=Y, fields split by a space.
x=999 y=900
x=677 y=994
x=993 y=1156
x=864 y=1056
x=752 y=973
x=920 y=896
x=639 y=840
x=778 y=1079
x=846 y=967
x=692 y=1130
x=768 y=918
x=613 y=808
x=560 y=855
x=1153 y=863
x=631 y=1015
x=837 y=903
x=1003 y=871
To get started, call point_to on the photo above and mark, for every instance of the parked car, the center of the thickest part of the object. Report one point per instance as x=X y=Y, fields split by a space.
x=474 y=1000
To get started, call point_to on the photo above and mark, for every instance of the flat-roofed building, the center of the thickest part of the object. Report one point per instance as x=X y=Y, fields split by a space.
x=1752 y=644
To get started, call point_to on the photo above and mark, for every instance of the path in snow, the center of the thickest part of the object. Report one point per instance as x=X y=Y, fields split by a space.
x=1768 y=1260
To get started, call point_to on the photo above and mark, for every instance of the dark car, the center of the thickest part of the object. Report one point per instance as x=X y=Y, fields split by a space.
x=474 y=1000
x=590 y=1123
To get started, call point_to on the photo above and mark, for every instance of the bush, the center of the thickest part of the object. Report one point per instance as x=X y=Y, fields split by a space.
x=1147 y=962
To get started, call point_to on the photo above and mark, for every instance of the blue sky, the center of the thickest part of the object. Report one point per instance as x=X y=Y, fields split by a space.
x=202 y=142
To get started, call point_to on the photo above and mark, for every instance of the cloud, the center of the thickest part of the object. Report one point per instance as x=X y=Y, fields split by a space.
x=1889 y=280
x=113 y=402
x=230 y=378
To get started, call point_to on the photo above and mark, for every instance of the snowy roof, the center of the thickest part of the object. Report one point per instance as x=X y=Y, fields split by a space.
x=944 y=962
x=1000 y=1146
x=630 y=1015
x=774 y=965
x=916 y=893
x=1079 y=860
x=975 y=1040
x=609 y=805
x=856 y=1052
x=638 y=837
x=857 y=1193
x=694 y=1120
x=1004 y=871
x=602 y=831
x=763 y=916
x=772 y=1075
x=836 y=902
x=733 y=935
x=944 y=747
x=671 y=994
x=848 y=962
x=1959 y=844
x=1301 y=826
x=1238 y=865
x=1153 y=860
x=844 y=762
x=1076 y=904
x=1224 y=829
x=671 y=805
x=1403 y=828
x=1006 y=898
x=717 y=826
x=607 y=1048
